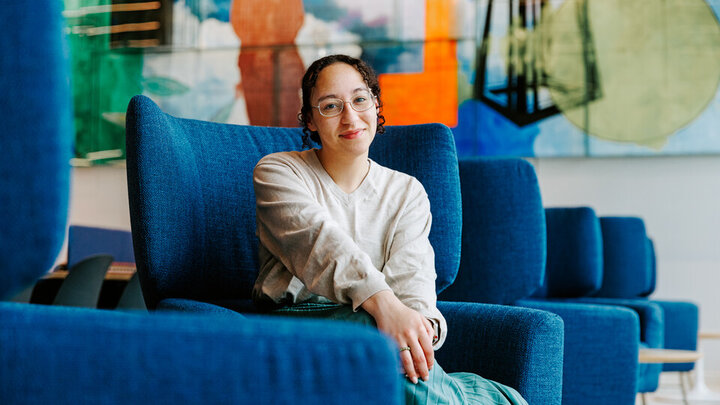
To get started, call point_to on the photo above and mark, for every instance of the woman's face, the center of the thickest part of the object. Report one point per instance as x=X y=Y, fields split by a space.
x=350 y=133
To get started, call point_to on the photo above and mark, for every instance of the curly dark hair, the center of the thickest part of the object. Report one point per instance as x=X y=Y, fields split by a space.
x=308 y=83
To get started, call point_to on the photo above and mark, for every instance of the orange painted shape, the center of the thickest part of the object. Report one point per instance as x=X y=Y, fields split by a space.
x=432 y=95
x=266 y=22
x=439 y=18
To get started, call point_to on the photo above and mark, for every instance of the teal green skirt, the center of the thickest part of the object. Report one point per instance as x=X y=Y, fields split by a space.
x=441 y=387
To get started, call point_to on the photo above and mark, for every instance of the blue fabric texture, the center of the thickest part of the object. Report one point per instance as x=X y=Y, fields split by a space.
x=681 y=329
x=502 y=212
x=192 y=306
x=601 y=351
x=457 y=388
x=626 y=263
x=193 y=205
x=575 y=255
x=653 y=268
x=36 y=140
x=510 y=211
x=65 y=355
x=519 y=347
x=652 y=334
x=579 y=258
x=633 y=273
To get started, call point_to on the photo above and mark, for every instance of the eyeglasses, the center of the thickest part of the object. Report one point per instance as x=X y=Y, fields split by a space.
x=331 y=107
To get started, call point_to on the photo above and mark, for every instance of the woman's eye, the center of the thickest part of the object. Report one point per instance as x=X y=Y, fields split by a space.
x=330 y=107
x=359 y=100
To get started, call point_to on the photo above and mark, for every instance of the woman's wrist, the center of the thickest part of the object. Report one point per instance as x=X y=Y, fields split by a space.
x=378 y=301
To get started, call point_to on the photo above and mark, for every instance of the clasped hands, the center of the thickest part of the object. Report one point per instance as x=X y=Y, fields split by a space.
x=408 y=328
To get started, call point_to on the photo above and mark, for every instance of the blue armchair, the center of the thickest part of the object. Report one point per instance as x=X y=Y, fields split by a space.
x=193 y=218
x=503 y=262
x=577 y=259
x=64 y=355
x=629 y=275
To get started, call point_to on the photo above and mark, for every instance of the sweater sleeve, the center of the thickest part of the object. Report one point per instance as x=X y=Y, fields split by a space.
x=300 y=232
x=410 y=268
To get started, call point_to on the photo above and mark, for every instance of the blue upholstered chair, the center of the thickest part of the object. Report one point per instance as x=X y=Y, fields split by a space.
x=630 y=273
x=585 y=265
x=193 y=219
x=65 y=355
x=503 y=262
x=578 y=256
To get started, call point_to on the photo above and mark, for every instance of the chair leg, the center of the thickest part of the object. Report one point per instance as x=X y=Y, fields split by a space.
x=683 y=389
x=642 y=396
x=690 y=377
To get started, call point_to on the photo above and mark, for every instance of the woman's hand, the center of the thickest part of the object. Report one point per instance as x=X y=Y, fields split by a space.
x=408 y=328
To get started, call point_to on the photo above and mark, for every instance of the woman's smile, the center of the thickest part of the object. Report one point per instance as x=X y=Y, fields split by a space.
x=352 y=134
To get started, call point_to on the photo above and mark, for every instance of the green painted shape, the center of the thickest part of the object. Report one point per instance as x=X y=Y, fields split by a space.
x=103 y=81
x=164 y=86
x=657 y=65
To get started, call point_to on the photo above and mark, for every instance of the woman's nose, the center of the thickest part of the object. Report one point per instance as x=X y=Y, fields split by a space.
x=348 y=114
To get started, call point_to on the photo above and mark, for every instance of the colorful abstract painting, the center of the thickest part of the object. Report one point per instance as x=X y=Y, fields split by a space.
x=545 y=78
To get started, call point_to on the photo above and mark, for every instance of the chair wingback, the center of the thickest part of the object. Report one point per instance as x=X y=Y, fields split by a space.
x=192 y=204
x=36 y=140
x=574 y=258
x=503 y=234
x=428 y=153
x=627 y=265
x=653 y=268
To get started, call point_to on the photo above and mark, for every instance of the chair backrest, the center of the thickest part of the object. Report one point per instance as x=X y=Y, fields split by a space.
x=192 y=204
x=503 y=234
x=653 y=268
x=85 y=241
x=574 y=253
x=36 y=140
x=627 y=265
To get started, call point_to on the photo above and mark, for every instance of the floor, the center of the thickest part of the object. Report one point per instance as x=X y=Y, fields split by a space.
x=669 y=392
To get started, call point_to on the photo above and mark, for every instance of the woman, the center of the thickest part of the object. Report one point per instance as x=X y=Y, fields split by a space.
x=342 y=237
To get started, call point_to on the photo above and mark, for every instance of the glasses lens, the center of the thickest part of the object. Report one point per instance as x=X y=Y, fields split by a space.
x=331 y=107
x=362 y=101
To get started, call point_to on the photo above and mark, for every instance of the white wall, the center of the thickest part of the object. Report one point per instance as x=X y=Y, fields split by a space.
x=99 y=197
x=678 y=197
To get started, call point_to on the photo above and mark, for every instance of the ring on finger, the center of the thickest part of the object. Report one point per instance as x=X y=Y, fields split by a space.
x=402 y=349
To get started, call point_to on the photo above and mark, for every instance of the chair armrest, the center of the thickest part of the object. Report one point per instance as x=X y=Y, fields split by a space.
x=652 y=334
x=652 y=323
x=519 y=347
x=197 y=307
x=600 y=363
x=681 y=320
x=65 y=355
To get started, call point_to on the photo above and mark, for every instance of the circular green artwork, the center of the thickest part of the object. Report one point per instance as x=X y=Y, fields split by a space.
x=631 y=71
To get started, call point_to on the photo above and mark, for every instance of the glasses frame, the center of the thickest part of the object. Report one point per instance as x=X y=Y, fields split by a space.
x=342 y=105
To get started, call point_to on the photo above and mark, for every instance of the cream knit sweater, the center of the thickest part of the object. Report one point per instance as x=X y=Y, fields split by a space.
x=320 y=244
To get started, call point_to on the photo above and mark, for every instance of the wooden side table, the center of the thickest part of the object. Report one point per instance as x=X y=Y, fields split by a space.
x=669 y=356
